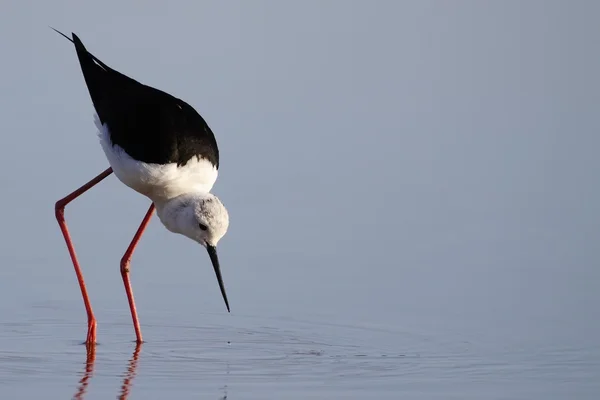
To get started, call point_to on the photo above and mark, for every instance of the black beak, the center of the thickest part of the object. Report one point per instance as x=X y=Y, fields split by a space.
x=212 y=252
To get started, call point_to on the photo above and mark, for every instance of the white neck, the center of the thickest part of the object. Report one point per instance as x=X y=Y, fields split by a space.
x=169 y=211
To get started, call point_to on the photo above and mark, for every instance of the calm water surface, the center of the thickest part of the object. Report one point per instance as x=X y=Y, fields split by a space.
x=247 y=357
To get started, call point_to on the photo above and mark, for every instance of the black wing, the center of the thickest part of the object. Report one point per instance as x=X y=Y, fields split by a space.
x=150 y=125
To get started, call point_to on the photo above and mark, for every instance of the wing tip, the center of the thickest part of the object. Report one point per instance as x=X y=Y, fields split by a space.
x=63 y=35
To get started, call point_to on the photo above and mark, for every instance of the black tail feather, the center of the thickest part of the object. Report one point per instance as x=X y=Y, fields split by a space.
x=106 y=67
x=101 y=80
x=94 y=73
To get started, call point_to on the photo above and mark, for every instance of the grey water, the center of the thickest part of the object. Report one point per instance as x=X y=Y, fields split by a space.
x=412 y=188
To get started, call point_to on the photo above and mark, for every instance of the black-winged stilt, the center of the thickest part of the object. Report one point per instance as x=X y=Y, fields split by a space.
x=159 y=146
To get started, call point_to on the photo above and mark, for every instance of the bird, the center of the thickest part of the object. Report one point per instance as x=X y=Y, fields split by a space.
x=161 y=147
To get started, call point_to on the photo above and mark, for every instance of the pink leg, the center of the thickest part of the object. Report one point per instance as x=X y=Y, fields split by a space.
x=59 y=210
x=125 y=270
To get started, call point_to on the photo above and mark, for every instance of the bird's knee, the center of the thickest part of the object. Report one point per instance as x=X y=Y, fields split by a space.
x=59 y=210
x=125 y=265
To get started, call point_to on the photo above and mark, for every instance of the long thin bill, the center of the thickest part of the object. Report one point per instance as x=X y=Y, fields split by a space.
x=212 y=252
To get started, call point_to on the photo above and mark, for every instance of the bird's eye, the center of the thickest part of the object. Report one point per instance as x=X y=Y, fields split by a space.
x=202 y=226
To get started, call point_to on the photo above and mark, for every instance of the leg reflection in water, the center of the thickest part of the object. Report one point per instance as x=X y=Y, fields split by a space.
x=130 y=374
x=89 y=372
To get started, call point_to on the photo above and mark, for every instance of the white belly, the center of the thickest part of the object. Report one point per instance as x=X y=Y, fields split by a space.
x=156 y=181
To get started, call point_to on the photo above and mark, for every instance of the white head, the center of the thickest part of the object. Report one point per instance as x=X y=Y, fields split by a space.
x=201 y=217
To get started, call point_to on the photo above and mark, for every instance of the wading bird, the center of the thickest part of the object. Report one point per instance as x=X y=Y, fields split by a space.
x=159 y=146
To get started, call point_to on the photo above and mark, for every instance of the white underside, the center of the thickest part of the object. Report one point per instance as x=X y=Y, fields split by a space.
x=158 y=182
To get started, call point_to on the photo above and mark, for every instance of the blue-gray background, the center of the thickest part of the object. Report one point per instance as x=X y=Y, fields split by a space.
x=415 y=176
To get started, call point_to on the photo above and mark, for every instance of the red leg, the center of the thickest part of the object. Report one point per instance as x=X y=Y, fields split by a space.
x=125 y=270
x=59 y=210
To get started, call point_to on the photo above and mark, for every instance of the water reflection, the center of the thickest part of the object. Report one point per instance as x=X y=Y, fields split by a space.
x=224 y=388
x=89 y=371
x=131 y=370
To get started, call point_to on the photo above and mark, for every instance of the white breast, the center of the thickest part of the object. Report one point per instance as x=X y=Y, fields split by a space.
x=156 y=181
